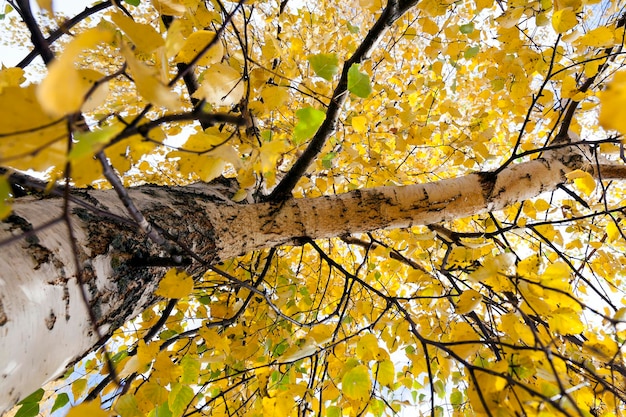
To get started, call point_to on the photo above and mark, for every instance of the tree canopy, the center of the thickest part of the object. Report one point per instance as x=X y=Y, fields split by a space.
x=514 y=309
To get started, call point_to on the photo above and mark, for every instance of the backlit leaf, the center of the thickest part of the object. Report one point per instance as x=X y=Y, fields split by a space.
x=565 y=321
x=356 y=383
x=583 y=181
x=564 y=20
x=179 y=398
x=148 y=85
x=466 y=28
x=613 y=104
x=89 y=143
x=468 y=301
x=196 y=43
x=359 y=123
x=270 y=153
x=612 y=231
x=191 y=370
x=386 y=372
x=358 y=82
x=220 y=85
x=69 y=99
x=175 y=284
x=324 y=65
x=309 y=120
x=145 y=38
x=601 y=37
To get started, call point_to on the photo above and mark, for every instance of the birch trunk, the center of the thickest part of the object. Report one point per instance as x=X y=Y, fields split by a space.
x=44 y=324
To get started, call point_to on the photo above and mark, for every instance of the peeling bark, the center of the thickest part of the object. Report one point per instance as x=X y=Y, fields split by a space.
x=44 y=324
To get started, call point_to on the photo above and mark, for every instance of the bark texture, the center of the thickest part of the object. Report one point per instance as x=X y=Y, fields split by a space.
x=44 y=325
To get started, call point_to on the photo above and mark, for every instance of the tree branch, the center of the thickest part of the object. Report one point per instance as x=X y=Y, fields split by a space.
x=390 y=14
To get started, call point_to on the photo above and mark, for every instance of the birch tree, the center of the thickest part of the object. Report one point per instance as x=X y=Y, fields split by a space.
x=262 y=208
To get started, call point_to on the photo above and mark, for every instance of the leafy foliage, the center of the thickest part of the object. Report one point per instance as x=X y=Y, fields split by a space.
x=516 y=312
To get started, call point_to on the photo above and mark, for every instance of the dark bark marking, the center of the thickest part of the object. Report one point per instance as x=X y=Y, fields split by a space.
x=3 y=315
x=50 y=320
x=38 y=253
x=487 y=181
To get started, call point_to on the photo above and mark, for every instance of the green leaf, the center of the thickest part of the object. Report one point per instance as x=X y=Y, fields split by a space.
x=5 y=198
x=28 y=410
x=161 y=411
x=191 y=370
x=119 y=356
x=352 y=28
x=324 y=65
x=467 y=28
x=90 y=143
x=333 y=411
x=358 y=82
x=328 y=159
x=471 y=52
x=456 y=398
x=35 y=397
x=133 y=2
x=30 y=404
x=309 y=120
x=356 y=383
x=180 y=397
x=60 y=402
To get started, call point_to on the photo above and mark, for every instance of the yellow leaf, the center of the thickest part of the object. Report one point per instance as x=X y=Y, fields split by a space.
x=64 y=89
x=175 y=284
x=170 y=7
x=91 y=409
x=270 y=152
x=463 y=332
x=541 y=205
x=195 y=43
x=468 y=301
x=148 y=85
x=154 y=392
x=562 y=4
x=612 y=231
x=359 y=123
x=145 y=38
x=126 y=406
x=274 y=96
x=565 y=321
x=146 y=352
x=280 y=405
x=582 y=180
x=78 y=388
x=601 y=37
x=556 y=275
x=45 y=5
x=367 y=347
x=11 y=77
x=564 y=20
x=164 y=370
x=613 y=104
x=385 y=372
x=221 y=85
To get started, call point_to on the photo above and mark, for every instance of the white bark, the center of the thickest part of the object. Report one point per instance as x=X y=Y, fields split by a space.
x=44 y=324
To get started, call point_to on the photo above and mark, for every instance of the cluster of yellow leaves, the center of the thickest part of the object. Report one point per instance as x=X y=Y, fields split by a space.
x=436 y=100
